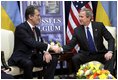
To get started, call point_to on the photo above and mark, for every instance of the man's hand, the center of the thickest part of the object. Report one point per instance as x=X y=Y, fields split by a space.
x=47 y=57
x=108 y=55
x=56 y=48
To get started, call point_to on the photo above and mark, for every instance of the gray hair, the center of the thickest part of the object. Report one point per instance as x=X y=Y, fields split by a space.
x=89 y=13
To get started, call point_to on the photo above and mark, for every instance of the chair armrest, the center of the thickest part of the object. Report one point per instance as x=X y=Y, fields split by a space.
x=66 y=56
x=3 y=61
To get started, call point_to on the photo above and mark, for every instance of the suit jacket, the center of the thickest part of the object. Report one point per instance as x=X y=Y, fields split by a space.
x=99 y=31
x=25 y=43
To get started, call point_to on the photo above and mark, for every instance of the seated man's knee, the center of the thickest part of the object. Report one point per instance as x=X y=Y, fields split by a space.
x=75 y=58
x=28 y=64
x=54 y=58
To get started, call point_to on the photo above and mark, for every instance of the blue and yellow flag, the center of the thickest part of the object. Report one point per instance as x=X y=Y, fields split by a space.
x=107 y=13
x=10 y=15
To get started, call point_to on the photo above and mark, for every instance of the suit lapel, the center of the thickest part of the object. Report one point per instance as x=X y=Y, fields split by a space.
x=31 y=32
x=84 y=35
x=95 y=32
x=38 y=34
x=29 y=29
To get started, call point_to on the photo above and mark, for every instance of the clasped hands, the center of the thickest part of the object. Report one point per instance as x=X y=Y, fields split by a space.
x=47 y=56
x=55 y=48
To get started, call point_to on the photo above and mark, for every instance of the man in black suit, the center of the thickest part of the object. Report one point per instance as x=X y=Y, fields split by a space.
x=29 y=49
x=91 y=49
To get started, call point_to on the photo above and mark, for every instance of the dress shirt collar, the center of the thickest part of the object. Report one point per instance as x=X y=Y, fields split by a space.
x=90 y=29
x=31 y=26
x=90 y=26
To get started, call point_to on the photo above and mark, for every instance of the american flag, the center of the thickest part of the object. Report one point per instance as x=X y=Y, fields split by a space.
x=73 y=20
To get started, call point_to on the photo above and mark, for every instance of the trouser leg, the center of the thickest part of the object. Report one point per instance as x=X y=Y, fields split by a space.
x=27 y=66
x=109 y=65
x=77 y=62
x=50 y=68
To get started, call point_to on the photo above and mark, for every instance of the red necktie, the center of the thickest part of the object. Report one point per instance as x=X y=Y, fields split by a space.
x=35 y=35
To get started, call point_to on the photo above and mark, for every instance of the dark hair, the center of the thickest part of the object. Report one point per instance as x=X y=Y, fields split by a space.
x=30 y=11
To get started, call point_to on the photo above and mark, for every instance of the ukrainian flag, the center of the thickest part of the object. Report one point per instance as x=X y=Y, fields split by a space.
x=10 y=15
x=107 y=13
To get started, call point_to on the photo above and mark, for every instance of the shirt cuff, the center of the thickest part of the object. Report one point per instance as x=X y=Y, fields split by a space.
x=48 y=47
x=110 y=52
x=62 y=50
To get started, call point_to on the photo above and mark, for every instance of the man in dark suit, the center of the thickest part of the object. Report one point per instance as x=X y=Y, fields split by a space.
x=91 y=42
x=29 y=49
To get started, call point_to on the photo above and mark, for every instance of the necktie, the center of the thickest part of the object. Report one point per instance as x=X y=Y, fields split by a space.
x=90 y=41
x=33 y=29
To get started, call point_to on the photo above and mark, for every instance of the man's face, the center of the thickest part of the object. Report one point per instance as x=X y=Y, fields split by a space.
x=83 y=19
x=36 y=17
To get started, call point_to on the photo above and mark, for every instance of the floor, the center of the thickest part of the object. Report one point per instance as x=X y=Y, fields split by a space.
x=71 y=76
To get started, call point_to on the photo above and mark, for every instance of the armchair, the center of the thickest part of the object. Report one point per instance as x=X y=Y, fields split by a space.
x=113 y=31
x=7 y=45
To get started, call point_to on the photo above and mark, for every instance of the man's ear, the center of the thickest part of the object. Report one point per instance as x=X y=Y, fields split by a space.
x=30 y=16
x=89 y=17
